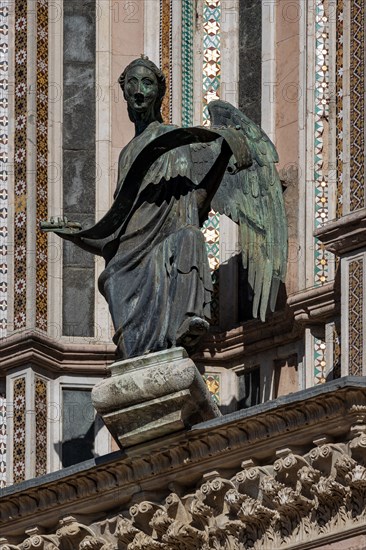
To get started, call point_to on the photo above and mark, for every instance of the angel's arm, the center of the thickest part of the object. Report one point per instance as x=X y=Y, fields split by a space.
x=94 y=246
x=69 y=232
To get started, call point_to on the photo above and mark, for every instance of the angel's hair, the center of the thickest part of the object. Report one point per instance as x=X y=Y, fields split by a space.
x=144 y=61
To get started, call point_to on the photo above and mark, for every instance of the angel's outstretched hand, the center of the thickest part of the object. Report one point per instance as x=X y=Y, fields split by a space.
x=62 y=227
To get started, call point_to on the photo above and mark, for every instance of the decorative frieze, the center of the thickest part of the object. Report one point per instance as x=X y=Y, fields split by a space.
x=293 y=470
x=294 y=500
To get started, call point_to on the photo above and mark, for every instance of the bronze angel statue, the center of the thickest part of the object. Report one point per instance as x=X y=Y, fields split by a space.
x=157 y=280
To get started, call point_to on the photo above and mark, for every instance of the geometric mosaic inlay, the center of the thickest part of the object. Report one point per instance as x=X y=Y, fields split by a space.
x=187 y=62
x=20 y=165
x=355 y=317
x=213 y=382
x=320 y=135
x=357 y=113
x=319 y=361
x=42 y=163
x=4 y=159
x=41 y=426
x=2 y=440
x=19 y=430
x=211 y=54
x=166 y=7
x=211 y=81
x=339 y=105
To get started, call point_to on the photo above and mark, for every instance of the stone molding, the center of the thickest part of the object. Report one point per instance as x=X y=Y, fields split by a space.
x=227 y=348
x=221 y=348
x=287 y=474
x=31 y=347
x=315 y=305
x=345 y=234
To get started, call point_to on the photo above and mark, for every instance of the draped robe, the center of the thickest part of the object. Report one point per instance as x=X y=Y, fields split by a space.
x=157 y=273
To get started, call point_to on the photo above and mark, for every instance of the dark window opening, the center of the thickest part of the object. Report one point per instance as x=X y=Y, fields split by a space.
x=78 y=427
x=249 y=388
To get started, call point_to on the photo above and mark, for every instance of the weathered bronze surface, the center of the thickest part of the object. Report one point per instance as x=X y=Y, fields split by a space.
x=157 y=280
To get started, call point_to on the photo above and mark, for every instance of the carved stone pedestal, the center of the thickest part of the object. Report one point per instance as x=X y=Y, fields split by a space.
x=152 y=396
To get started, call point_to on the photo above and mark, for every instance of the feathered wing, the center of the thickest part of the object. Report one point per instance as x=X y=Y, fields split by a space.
x=253 y=199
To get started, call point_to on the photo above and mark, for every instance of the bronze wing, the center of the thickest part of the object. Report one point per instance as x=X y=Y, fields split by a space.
x=253 y=198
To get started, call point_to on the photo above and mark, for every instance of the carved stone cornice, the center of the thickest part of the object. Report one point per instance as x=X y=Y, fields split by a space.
x=345 y=234
x=284 y=474
x=315 y=305
x=37 y=349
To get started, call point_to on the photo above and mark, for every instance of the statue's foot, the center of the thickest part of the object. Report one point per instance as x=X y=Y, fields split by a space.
x=191 y=331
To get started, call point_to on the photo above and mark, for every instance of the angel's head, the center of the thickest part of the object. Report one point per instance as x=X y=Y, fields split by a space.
x=143 y=85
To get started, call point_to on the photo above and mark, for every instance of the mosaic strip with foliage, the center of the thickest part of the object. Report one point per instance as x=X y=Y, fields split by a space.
x=2 y=440
x=355 y=317
x=320 y=131
x=357 y=113
x=41 y=426
x=187 y=62
x=42 y=162
x=20 y=164
x=339 y=105
x=19 y=411
x=4 y=159
x=166 y=56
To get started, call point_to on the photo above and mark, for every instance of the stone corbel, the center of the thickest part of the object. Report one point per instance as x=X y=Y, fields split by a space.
x=71 y=534
x=37 y=541
x=315 y=305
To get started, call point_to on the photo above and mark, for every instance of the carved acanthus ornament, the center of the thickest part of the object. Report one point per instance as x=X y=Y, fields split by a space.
x=296 y=498
x=262 y=494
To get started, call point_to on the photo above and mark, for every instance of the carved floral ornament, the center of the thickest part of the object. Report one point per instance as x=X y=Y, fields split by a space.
x=281 y=505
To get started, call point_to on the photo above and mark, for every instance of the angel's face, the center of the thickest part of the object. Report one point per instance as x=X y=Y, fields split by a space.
x=141 y=91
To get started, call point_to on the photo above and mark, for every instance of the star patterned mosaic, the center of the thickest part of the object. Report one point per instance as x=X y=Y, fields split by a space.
x=41 y=426
x=20 y=166
x=213 y=383
x=19 y=427
x=320 y=135
x=319 y=361
x=42 y=163
x=4 y=159
x=2 y=441
x=211 y=80
x=339 y=104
